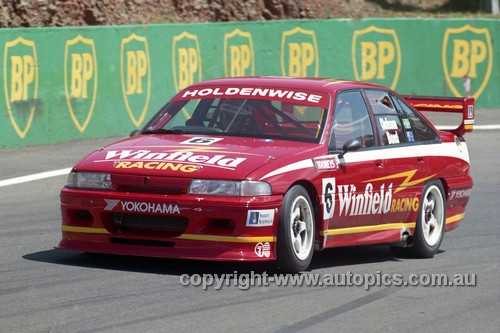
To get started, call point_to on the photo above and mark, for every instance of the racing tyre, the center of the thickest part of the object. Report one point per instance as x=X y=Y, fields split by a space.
x=431 y=221
x=295 y=231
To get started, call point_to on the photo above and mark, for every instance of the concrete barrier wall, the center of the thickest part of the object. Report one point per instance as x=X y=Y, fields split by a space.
x=63 y=84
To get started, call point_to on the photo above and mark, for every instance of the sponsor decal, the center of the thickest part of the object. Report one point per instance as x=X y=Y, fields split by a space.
x=135 y=71
x=299 y=53
x=203 y=141
x=410 y=136
x=388 y=125
x=467 y=57
x=406 y=123
x=156 y=166
x=326 y=163
x=239 y=58
x=405 y=205
x=263 y=249
x=111 y=204
x=146 y=159
x=459 y=194
x=20 y=76
x=371 y=201
x=260 y=218
x=392 y=138
x=470 y=111
x=80 y=80
x=142 y=207
x=186 y=60
x=282 y=94
x=368 y=203
x=376 y=56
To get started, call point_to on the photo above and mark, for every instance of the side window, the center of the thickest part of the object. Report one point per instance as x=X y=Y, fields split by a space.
x=390 y=129
x=416 y=128
x=386 y=117
x=351 y=120
x=380 y=102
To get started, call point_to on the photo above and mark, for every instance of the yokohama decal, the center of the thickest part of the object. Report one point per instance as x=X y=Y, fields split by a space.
x=142 y=207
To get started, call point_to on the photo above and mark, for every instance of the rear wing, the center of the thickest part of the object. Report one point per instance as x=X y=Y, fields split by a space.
x=465 y=106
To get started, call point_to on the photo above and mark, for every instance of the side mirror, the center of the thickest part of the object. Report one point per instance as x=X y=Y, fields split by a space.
x=351 y=145
x=134 y=132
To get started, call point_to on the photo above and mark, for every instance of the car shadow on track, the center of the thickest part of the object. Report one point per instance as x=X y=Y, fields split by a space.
x=330 y=258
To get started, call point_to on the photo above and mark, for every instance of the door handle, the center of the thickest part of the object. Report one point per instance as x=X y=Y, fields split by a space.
x=379 y=163
x=420 y=159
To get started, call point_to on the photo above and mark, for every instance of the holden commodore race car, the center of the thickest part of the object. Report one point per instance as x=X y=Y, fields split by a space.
x=267 y=168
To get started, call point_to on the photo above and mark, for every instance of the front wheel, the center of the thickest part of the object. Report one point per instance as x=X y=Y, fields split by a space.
x=295 y=231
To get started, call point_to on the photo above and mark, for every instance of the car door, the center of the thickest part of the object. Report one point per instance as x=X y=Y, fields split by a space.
x=357 y=203
x=405 y=164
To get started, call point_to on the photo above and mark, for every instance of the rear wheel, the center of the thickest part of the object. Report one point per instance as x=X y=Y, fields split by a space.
x=429 y=229
x=295 y=231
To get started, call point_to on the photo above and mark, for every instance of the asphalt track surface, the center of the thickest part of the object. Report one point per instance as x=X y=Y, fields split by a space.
x=47 y=290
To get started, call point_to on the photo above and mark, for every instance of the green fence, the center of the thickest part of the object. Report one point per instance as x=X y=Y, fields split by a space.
x=63 y=84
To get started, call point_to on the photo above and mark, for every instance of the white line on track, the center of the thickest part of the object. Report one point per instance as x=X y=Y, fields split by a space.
x=476 y=127
x=35 y=176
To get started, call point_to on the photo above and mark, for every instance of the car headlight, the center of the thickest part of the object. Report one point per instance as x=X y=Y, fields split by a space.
x=90 y=180
x=246 y=188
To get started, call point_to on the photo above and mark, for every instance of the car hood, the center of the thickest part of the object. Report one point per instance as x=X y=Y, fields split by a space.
x=191 y=156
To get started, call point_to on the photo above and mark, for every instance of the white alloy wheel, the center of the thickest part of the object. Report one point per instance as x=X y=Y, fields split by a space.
x=301 y=227
x=296 y=231
x=432 y=215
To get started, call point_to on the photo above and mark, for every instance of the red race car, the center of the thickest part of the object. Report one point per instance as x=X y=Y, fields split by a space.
x=267 y=168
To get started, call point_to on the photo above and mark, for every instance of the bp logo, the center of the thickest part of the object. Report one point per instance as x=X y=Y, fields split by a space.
x=20 y=76
x=80 y=80
x=136 y=77
x=186 y=60
x=467 y=60
x=376 y=56
x=239 y=59
x=299 y=53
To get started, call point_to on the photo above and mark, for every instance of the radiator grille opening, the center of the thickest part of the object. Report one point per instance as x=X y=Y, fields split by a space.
x=150 y=225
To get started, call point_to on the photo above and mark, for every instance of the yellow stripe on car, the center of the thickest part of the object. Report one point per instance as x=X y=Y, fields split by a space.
x=212 y=238
x=232 y=239
x=455 y=218
x=381 y=227
x=367 y=228
x=84 y=230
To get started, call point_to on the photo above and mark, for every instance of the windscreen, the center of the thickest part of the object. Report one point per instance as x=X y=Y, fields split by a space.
x=296 y=115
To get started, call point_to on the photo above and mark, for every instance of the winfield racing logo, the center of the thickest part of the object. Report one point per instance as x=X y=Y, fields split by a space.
x=146 y=159
x=142 y=207
x=372 y=201
x=367 y=203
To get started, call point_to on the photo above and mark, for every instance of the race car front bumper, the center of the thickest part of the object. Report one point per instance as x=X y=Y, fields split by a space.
x=170 y=226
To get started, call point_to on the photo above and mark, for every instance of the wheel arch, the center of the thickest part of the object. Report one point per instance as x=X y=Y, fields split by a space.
x=446 y=188
x=311 y=190
x=313 y=195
